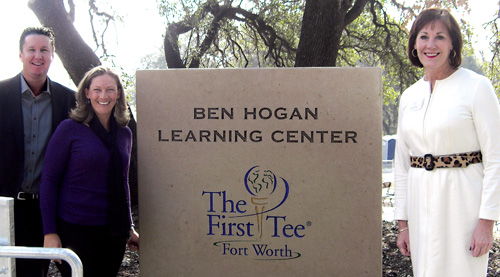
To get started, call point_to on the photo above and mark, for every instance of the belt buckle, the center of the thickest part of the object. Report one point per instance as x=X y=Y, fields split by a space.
x=21 y=195
x=429 y=166
x=26 y=196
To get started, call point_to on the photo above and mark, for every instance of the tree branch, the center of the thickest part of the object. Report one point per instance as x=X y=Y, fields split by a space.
x=107 y=19
x=171 y=41
x=274 y=42
x=354 y=12
x=271 y=39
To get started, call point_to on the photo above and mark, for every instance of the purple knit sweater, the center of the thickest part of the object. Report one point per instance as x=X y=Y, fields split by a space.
x=74 y=178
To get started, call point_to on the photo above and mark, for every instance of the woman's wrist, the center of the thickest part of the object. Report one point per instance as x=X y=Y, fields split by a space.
x=402 y=225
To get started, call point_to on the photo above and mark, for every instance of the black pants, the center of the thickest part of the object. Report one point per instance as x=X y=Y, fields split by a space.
x=29 y=232
x=101 y=255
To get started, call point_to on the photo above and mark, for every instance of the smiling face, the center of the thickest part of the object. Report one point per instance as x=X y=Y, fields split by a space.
x=433 y=44
x=103 y=94
x=36 y=55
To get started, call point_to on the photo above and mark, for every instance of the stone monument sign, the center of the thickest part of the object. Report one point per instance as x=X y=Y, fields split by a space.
x=260 y=172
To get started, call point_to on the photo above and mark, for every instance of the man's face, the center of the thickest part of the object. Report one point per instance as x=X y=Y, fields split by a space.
x=36 y=55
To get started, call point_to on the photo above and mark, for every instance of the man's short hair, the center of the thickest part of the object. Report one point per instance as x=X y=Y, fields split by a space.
x=45 y=31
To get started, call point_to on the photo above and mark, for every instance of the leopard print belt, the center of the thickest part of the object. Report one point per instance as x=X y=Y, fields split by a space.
x=430 y=162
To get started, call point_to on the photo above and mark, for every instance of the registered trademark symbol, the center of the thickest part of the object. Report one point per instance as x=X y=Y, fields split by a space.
x=309 y=223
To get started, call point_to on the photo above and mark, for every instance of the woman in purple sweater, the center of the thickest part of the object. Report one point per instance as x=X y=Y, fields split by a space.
x=84 y=193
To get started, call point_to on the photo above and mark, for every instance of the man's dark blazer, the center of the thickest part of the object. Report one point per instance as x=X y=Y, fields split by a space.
x=12 y=131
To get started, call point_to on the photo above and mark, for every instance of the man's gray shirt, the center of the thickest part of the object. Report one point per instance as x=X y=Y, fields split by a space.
x=37 y=120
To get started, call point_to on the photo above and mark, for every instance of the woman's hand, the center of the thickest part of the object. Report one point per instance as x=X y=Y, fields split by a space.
x=133 y=241
x=52 y=241
x=482 y=238
x=404 y=238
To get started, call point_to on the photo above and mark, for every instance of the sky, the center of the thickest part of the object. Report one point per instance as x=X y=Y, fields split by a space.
x=141 y=31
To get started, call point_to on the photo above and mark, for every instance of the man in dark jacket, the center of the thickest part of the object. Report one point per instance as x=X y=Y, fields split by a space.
x=31 y=107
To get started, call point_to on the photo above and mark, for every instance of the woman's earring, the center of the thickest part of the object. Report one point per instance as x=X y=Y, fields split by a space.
x=454 y=53
x=414 y=53
x=89 y=100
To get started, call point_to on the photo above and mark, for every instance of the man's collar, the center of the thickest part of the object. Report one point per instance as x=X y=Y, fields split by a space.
x=25 y=86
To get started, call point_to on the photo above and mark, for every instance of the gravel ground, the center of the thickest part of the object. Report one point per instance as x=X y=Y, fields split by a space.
x=129 y=268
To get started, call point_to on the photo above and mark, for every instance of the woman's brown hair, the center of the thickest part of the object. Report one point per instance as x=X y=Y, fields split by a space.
x=431 y=15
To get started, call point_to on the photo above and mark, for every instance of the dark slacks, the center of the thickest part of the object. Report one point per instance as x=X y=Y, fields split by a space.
x=29 y=232
x=101 y=255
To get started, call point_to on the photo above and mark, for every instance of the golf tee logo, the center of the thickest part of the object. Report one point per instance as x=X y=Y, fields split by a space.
x=248 y=227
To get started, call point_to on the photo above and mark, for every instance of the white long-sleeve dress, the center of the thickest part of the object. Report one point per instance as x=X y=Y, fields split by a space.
x=443 y=206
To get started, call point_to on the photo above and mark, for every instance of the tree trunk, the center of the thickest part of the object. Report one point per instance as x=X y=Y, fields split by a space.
x=322 y=26
x=171 y=45
x=76 y=56
x=320 y=34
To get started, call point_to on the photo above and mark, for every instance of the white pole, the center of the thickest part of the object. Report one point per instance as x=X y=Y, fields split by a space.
x=7 y=265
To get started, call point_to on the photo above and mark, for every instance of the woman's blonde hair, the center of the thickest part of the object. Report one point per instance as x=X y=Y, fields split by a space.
x=84 y=112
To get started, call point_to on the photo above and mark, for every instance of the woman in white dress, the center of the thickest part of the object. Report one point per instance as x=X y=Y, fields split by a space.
x=447 y=156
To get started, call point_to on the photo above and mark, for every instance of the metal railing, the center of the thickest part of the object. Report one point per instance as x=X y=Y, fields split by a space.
x=45 y=253
x=22 y=252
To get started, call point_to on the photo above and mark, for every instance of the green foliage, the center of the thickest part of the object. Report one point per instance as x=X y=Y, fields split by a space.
x=377 y=38
x=239 y=41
